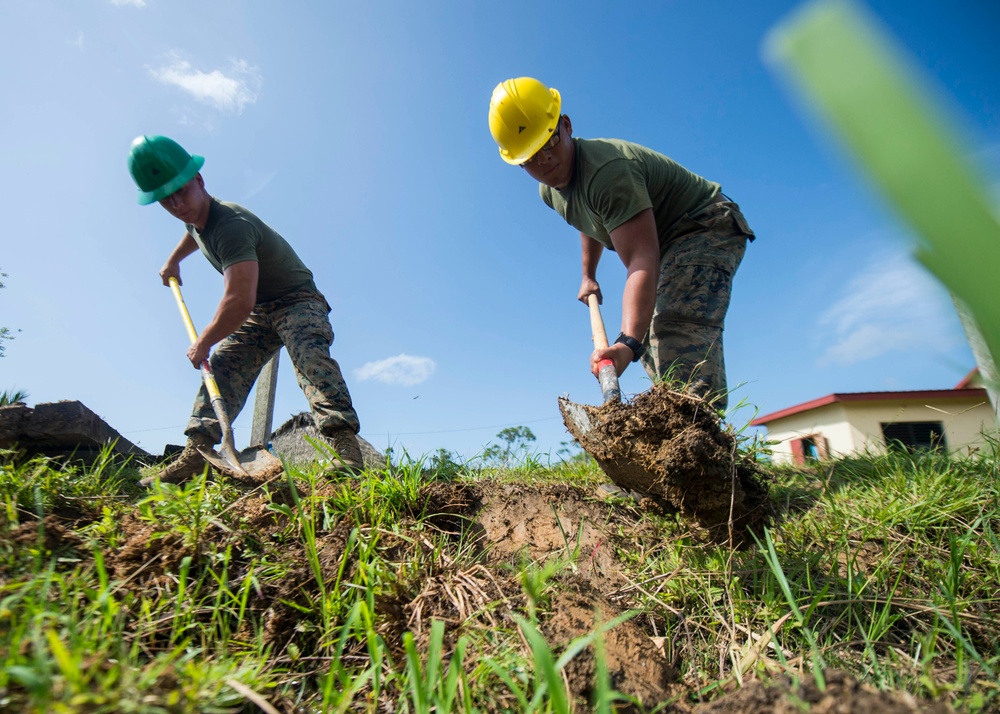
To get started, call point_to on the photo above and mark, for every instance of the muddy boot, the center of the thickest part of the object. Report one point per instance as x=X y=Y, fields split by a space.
x=188 y=464
x=345 y=443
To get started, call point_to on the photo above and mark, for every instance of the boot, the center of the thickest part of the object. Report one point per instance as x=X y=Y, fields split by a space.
x=345 y=443
x=188 y=464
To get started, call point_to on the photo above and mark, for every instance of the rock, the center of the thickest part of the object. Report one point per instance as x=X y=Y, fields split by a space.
x=288 y=441
x=61 y=429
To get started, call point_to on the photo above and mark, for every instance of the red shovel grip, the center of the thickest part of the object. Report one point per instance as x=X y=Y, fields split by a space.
x=608 y=377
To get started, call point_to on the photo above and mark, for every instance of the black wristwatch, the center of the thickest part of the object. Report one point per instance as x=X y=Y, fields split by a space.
x=633 y=344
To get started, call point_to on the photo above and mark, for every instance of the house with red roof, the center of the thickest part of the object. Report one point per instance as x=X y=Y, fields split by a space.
x=956 y=420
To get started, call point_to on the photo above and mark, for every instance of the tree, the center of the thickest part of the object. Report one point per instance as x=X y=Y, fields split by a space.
x=444 y=465
x=12 y=396
x=516 y=440
x=5 y=332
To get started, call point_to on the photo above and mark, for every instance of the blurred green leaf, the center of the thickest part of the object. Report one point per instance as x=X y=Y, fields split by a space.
x=884 y=110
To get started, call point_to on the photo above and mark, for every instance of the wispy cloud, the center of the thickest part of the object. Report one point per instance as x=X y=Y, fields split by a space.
x=256 y=181
x=403 y=369
x=892 y=305
x=134 y=3
x=228 y=91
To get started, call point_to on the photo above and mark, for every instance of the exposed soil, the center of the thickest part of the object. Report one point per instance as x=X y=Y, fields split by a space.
x=671 y=445
x=842 y=694
x=635 y=666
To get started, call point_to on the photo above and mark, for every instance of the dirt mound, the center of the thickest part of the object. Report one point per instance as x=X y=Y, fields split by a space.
x=635 y=666
x=842 y=695
x=514 y=523
x=539 y=523
x=289 y=442
x=672 y=446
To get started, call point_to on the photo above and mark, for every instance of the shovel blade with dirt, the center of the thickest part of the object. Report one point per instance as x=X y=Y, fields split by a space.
x=593 y=428
x=585 y=423
x=253 y=462
x=670 y=445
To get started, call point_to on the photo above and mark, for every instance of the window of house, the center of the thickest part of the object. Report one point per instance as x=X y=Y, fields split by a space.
x=810 y=452
x=809 y=449
x=914 y=435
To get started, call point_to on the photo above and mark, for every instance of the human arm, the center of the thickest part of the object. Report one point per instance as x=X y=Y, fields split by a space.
x=637 y=245
x=591 y=251
x=172 y=268
x=238 y=299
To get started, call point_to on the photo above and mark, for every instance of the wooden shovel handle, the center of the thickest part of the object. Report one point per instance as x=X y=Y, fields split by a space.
x=607 y=376
x=206 y=371
x=596 y=323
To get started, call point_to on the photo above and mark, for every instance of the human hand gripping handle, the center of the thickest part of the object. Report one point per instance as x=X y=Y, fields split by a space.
x=607 y=376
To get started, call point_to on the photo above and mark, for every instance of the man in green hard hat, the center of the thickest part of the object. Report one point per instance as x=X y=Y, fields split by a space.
x=269 y=301
x=680 y=238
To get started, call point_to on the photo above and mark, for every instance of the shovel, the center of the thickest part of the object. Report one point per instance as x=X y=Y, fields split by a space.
x=228 y=461
x=587 y=424
x=576 y=416
x=607 y=375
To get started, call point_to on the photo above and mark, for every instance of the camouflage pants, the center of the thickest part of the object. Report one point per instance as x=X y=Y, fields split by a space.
x=684 y=341
x=299 y=321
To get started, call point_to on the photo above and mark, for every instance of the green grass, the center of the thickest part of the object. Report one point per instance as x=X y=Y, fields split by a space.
x=347 y=595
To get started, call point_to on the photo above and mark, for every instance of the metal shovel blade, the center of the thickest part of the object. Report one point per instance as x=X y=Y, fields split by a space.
x=254 y=462
x=575 y=417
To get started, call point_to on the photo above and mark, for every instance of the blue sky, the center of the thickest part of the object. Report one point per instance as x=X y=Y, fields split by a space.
x=359 y=132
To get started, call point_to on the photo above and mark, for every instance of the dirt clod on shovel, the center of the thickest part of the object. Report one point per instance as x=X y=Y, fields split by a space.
x=671 y=445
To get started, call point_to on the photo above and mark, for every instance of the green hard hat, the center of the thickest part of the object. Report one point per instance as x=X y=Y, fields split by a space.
x=159 y=166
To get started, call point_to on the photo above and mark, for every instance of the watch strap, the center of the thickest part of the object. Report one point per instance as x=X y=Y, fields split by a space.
x=633 y=344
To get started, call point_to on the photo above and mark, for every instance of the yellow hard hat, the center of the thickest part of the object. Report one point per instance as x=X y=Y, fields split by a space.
x=523 y=115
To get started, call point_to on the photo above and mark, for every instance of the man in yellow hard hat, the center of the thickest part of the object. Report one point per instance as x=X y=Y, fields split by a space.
x=680 y=238
x=269 y=301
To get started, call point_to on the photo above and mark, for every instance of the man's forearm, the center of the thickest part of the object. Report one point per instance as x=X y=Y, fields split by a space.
x=238 y=300
x=638 y=247
x=184 y=248
x=591 y=252
x=231 y=313
x=638 y=301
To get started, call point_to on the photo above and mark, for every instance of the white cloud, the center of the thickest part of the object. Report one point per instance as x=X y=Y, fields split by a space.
x=403 y=369
x=135 y=3
x=227 y=92
x=892 y=305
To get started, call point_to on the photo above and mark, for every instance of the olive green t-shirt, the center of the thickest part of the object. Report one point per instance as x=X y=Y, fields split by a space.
x=233 y=234
x=615 y=180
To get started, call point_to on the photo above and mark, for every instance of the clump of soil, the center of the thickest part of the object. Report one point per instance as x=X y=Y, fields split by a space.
x=299 y=591
x=672 y=446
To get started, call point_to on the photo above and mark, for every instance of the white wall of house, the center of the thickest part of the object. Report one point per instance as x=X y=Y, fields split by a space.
x=829 y=422
x=853 y=427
